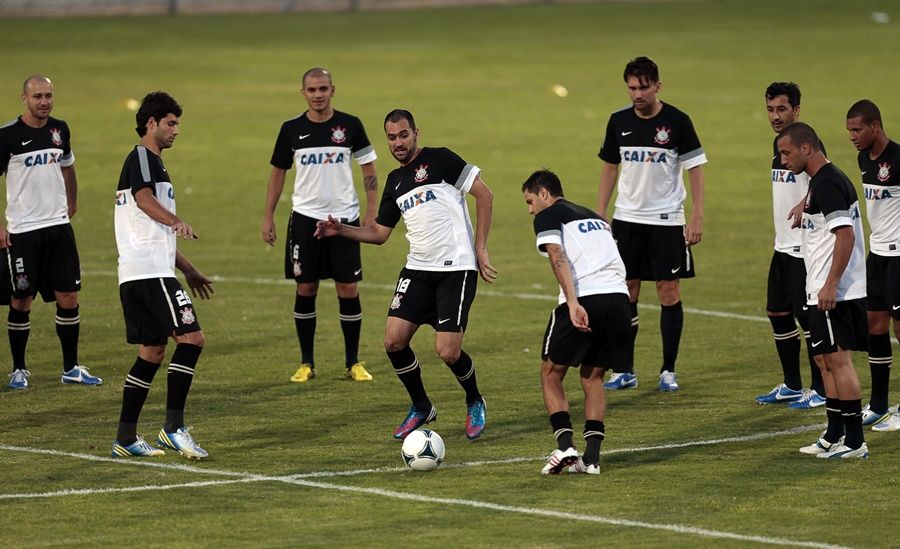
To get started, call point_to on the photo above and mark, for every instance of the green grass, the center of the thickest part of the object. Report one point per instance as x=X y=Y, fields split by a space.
x=479 y=81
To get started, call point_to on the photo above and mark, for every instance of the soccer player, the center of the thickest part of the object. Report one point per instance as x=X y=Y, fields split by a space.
x=590 y=327
x=156 y=306
x=38 y=241
x=321 y=142
x=833 y=251
x=787 y=273
x=879 y=162
x=437 y=285
x=653 y=142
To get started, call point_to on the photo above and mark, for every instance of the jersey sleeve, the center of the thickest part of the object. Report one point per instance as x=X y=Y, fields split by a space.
x=690 y=152
x=282 y=155
x=547 y=229
x=459 y=169
x=362 y=149
x=835 y=204
x=68 y=157
x=388 y=211
x=609 y=151
x=139 y=173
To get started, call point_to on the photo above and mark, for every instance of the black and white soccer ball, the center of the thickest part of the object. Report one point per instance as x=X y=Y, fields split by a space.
x=423 y=450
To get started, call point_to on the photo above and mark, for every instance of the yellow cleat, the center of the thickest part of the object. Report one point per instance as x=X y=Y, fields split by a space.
x=303 y=374
x=358 y=372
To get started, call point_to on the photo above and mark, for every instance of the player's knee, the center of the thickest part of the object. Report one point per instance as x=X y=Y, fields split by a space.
x=67 y=300
x=393 y=344
x=448 y=353
x=21 y=303
x=153 y=354
x=193 y=338
x=307 y=289
x=347 y=290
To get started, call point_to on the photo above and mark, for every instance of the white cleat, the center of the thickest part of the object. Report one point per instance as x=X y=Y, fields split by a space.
x=559 y=460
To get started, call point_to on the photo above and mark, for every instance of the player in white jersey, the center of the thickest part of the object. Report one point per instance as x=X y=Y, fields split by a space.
x=647 y=147
x=437 y=285
x=322 y=142
x=879 y=163
x=834 y=254
x=786 y=289
x=589 y=329
x=39 y=251
x=155 y=305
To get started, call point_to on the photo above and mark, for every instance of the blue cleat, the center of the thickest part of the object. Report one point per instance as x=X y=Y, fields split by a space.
x=870 y=417
x=139 y=448
x=182 y=442
x=18 y=379
x=811 y=399
x=79 y=374
x=667 y=382
x=780 y=394
x=624 y=380
x=414 y=420
x=475 y=419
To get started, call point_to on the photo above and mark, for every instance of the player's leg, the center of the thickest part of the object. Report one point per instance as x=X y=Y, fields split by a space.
x=303 y=265
x=892 y=423
x=671 y=260
x=594 y=416
x=879 y=291
x=345 y=266
x=631 y=242
x=785 y=332
x=23 y=266
x=137 y=385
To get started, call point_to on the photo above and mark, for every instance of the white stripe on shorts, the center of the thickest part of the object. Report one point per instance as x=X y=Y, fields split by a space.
x=162 y=284
x=830 y=330
x=462 y=298
x=550 y=332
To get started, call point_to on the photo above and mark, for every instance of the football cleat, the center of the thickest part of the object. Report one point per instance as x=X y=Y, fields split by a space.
x=890 y=424
x=182 y=442
x=139 y=448
x=841 y=451
x=304 y=373
x=821 y=446
x=79 y=374
x=780 y=394
x=870 y=417
x=358 y=372
x=580 y=467
x=560 y=460
x=811 y=399
x=667 y=381
x=475 y=419
x=18 y=379
x=624 y=380
x=414 y=419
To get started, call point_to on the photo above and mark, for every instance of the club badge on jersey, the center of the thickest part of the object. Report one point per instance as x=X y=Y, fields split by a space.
x=338 y=134
x=884 y=172
x=662 y=135
x=421 y=173
x=56 y=136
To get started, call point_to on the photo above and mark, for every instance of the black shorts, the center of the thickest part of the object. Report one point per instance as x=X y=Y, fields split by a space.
x=439 y=298
x=156 y=309
x=607 y=345
x=653 y=252
x=787 y=285
x=883 y=284
x=44 y=260
x=846 y=326
x=310 y=259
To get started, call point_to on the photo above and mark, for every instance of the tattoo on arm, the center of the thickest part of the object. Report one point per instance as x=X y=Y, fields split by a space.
x=370 y=183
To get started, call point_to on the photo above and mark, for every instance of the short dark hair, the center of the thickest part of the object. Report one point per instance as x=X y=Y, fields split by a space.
x=156 y=105
x=33 y=77
x=315 y=71
x=867 y=110
x=791 y=90
x=543 y=179
x=643 y=68
x=801 y=133
x=397 y=115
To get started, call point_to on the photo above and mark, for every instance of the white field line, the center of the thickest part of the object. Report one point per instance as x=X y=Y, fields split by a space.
x=145 y=488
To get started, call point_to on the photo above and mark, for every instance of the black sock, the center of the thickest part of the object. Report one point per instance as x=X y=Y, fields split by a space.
x=635 y=324
x=178 y=379
x=835 y=428
x=561 y=424
x=671 y=321
x=305 y=322
x=67 y=328
x=851 y=410
x=816 y=383
x=880 y=356
x=787 y=343
x=18 y=325
x=351 y=325
x=406 y=366
x=464 y=371
x=137 y=385
x=594 y=433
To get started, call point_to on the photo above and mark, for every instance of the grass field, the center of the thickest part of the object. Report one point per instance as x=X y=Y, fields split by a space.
x=314 y=464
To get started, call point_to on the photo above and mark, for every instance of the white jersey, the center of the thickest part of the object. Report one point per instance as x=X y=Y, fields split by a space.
x=788 y=190
x=587 y=240
x=881 y=183
x=652 y=154
x=146 y=247
x=35 y=188
x=830 y=204
x=430 y=194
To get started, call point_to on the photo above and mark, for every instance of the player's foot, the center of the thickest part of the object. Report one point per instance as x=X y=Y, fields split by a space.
x=182 y=442
x=890 y=424
x=624 y=380
x=358 y=372
x=845 y=452
x=303 y=374
x=414 y=419
x=559 y=460
x=79 y=374
x=821 y=446
x=667 y=381
x=581 y=467
x=475 y=419
x=811 y=399
x=139 y=448
x=780 y=394
x=18 y=379
x=871 y=417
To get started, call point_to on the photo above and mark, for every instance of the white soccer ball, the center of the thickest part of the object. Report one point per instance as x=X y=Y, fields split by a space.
x=423 y=450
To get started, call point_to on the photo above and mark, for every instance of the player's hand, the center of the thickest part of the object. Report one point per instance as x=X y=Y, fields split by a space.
x=693 y=232
x=828 y=297
x=268 y=232
x=73 y=209
x=329 y=227
x=199 y=284
x=184 y=231
x=579 y=317
x=487 y=271
x=796 y=215
x=5 y=241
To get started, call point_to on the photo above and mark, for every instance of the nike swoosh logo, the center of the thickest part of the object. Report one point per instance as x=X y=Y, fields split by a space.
x=805 y=308
x=626 y=133
x=442 y=321
x=895 y=307
x=676 y=270
x=302 y=137
x=78 y=281
x=861 y=173
x=356 y=272
x=27 y=142
x=817 y=343
x=398 y=186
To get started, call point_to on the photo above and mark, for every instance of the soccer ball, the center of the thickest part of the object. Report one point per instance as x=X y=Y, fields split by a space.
x=423 y=450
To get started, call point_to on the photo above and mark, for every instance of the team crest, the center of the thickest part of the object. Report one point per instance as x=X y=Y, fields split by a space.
x=56 y=136
x=421 y=173
x=395 y=303
x=884 y=172
x=662 y=135
x=338 y=134
x=297 y=268
x=22 y=281
x=187 y=316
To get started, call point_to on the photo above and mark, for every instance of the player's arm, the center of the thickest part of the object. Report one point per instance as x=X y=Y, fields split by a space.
x=608 y=176
x=559 y=262
x=71 y=183
x=796 y=213
x=370 y=185
x=196 y=281
x=694 y=229
x=484 y=206
x=273 y=193
x=370 y=234
x=157 y=212
x=843 y=249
